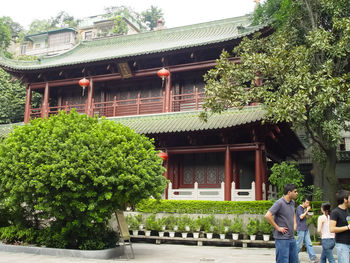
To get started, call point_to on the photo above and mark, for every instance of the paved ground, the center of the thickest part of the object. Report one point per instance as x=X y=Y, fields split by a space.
x=165 y=253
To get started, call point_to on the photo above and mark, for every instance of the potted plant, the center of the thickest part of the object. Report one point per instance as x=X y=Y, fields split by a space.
x=182 y=227
x=150 y=222
x=170 y=222
x=133 y=224
x=219 y=229
x=266 y=229
x=195 y=227
x=158 y=226
x=236 y=228
x=208 y=224
x=252 y=228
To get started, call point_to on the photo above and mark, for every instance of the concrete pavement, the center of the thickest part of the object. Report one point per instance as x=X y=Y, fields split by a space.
x=166 y=253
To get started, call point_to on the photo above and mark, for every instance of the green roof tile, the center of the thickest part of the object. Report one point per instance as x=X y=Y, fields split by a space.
x=189 y=121
x=141 y=44
x=179 y=121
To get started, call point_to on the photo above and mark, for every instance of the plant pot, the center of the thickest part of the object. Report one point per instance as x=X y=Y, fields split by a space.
x=163 y=228
x=148 y=233
x=176 y=228
x=184 y=235
x=171 y=234
x=187 y=228
x=226 y=228
x=266 y=237
x=196 y=235
x=141 y=226
x=252 y=237
x=209 y=235
x=222 y=236
x=235 y=236
x=161 y=234
x=135 y=232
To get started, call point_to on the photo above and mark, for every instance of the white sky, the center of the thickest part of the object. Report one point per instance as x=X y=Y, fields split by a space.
x=176 y=12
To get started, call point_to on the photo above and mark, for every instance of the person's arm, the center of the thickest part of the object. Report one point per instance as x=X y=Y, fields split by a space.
x=295 y=222
x=271 y=220
x=320 y=222
x=335 y=229
x=304 y=214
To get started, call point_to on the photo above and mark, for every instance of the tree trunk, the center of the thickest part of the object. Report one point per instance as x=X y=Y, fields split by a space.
x=330 y=175
x=317 y=173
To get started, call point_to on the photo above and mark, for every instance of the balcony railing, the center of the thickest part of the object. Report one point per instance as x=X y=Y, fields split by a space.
x=138 y=106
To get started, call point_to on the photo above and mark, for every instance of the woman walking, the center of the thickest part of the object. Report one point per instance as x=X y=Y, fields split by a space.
x=328 y=238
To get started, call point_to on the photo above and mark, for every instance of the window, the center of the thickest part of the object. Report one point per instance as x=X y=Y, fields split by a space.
x=23 y=49
x=88 y=35
x=59 y=39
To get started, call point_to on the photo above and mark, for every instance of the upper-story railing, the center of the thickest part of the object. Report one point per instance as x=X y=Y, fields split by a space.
x=127 y=107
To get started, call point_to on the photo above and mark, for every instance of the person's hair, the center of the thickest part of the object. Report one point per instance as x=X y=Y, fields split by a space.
x=326 y=208
x=304 y=199
x=341 y=195
x=289 y=187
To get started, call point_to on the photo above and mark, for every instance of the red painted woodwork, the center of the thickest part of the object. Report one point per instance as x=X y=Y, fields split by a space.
x=45 y=102
x=228 y=172
x=258 y=174
x=27 y=105
x=235 y=171
x=89 y=100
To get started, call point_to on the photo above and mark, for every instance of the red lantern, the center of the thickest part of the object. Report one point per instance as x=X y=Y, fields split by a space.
x=163 y=73
x=84 y=83
x=163 y=155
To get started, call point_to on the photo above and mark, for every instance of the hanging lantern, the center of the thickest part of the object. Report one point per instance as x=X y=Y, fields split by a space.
x=84 y=83
x=163 y=74
x=163 y=155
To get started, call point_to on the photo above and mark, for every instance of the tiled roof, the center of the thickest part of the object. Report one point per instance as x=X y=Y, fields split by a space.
x=190 y=121
x=141 y=44
x=180 y=121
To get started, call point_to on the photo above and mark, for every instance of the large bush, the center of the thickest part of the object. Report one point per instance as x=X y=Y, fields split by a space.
x=75 y=171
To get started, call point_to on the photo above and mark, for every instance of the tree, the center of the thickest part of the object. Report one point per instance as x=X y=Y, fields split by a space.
x=38 y=26
x=76 y=171
x=62 y=19
x=151 y=16
x=5 y=34
x=304 y=70
x=15 y=28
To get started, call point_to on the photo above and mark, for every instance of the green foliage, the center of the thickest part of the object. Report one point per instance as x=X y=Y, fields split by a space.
x=265 y=228
x=288 y=173
x=252 y=227
x=120 y=25
x=237 y=226
x=151 y=15
x=5 y=34
x=304 y=68
x=14 y=235
x=77 y=170
x=203 y=207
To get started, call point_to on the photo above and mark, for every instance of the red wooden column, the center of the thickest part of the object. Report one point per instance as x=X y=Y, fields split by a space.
x=167 y=93
x=228 y=171
x=264 y=173
x=235 y=170
x=28 y=102
x=166 y=174
x=45 y=103
x=89 y=102
x=258 y=174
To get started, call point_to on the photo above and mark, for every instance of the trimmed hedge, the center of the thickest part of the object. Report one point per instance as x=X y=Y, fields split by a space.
x=203 y=207
x=211 y=207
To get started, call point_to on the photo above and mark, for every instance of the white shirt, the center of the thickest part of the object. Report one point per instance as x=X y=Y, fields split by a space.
x=323 y=227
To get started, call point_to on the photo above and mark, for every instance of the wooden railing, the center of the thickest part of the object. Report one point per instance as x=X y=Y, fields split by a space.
x=137 y=106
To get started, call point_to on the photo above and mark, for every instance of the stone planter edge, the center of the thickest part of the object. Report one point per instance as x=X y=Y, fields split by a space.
x=92 y=254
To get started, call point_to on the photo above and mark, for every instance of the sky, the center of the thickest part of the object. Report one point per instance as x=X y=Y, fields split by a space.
x=176 y=12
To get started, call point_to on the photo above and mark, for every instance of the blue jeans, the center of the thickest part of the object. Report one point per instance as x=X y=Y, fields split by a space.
x=304 y=236
x=343 y=251
x=327 y=253
x=286 y=251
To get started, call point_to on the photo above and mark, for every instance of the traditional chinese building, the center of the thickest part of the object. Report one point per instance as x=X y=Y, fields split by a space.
x=211 y=160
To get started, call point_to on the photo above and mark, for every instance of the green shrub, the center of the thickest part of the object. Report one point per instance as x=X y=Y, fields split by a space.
x=78 y=171
x=13 y=235
x=237 y=226
x=252 y=227
x=203 y=207
x=265 y=228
